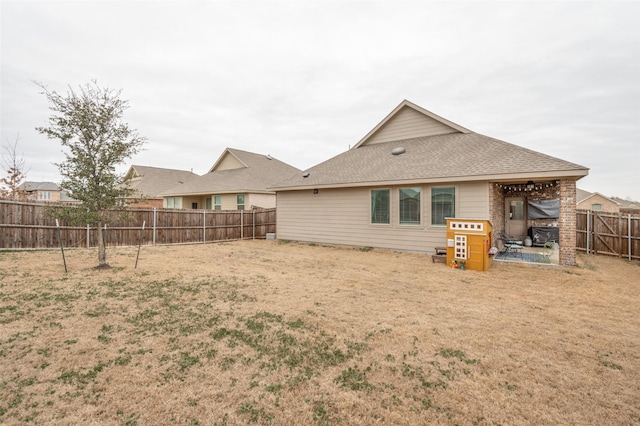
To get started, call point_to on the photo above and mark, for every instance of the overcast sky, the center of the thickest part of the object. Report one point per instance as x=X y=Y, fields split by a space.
x=305 y=80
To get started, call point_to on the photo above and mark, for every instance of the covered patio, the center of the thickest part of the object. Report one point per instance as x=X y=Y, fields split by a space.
x=515 y=211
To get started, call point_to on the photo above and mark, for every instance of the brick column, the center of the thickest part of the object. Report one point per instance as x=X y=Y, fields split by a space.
x=567 y=222
x=496 y=211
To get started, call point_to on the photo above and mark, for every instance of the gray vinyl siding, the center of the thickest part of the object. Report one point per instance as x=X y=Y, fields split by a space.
x=265 y=201
x=342 y=217
x=409 y=123
x=474 y=201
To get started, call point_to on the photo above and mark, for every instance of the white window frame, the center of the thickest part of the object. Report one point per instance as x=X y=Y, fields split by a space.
x=388 y=190
x=455 y=204
x=400 y=219
x=244 y=201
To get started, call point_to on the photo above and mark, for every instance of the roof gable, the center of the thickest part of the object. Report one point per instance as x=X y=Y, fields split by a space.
x=583 y=196
x=408 y=121
x=132 y=173
x=452 y=154
x=229 y=160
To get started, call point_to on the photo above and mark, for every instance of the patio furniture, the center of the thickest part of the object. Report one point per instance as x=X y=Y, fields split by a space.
x=514 y=250
x=440 y=256
x=544 y=234
x=512 y=245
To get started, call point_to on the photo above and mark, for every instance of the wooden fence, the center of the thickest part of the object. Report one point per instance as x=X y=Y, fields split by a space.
x=615 y=234
x=29 y=226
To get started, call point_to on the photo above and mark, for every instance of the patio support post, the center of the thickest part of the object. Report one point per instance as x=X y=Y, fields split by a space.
x=567 y=222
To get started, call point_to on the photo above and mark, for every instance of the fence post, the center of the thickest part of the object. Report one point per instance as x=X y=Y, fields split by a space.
x=61 y=245
x=629 y=236
x=139 y=244
x=588 y=234
x=88 y=230
x=253 y=215
x=154 y=226
x=241 y=224
x=204 y=226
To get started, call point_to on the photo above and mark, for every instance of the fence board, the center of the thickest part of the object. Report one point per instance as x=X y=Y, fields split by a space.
x=26 y=225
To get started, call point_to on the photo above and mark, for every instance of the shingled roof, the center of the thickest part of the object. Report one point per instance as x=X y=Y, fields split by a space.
x=454 y=154
x=151 y=181
x=237 y=171
x=30 y=186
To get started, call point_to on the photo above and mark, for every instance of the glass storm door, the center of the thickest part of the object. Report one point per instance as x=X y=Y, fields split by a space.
x=515 y=218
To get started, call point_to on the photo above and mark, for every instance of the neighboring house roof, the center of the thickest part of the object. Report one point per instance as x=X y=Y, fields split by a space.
x=237 y=171
x=433 y=150
x=582 y=195
x=66 y=198
x=31 y=187
x=152 y=181
x=39 y=186
x=626 y=204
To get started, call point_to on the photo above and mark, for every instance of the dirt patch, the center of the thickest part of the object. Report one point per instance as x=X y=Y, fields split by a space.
x=270 y=332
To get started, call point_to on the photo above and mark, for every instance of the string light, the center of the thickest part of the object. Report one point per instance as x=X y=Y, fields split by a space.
x=526 y=187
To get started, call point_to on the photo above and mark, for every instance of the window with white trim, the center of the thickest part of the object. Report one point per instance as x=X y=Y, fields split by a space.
x=380 y=206
x=409 y=206
x=173 y=202
x=443 y=204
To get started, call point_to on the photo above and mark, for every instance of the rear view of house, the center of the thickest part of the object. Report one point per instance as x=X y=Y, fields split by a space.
x=398 y=185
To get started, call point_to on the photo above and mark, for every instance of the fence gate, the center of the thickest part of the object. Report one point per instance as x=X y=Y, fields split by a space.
x=608 y=233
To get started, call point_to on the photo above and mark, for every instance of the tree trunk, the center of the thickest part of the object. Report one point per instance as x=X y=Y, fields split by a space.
x=102 y=249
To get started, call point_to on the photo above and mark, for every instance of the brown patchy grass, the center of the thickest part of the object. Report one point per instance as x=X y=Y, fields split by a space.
x=280 y=333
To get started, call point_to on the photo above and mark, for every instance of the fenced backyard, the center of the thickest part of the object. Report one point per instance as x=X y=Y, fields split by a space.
x=31 y=226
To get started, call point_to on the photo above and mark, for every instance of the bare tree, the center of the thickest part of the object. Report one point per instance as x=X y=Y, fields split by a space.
x=16 y=175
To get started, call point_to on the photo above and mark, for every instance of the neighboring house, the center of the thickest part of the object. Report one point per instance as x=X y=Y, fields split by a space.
x=628 y=206
x=149 y=182
x=596 y=202
x=47 y=192
x=239 y=180
x=395 y=188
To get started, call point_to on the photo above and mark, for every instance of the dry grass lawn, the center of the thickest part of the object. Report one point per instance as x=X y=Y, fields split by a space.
x=270 y=332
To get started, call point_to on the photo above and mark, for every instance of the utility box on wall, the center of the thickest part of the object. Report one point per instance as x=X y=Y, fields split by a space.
x=469 y=243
